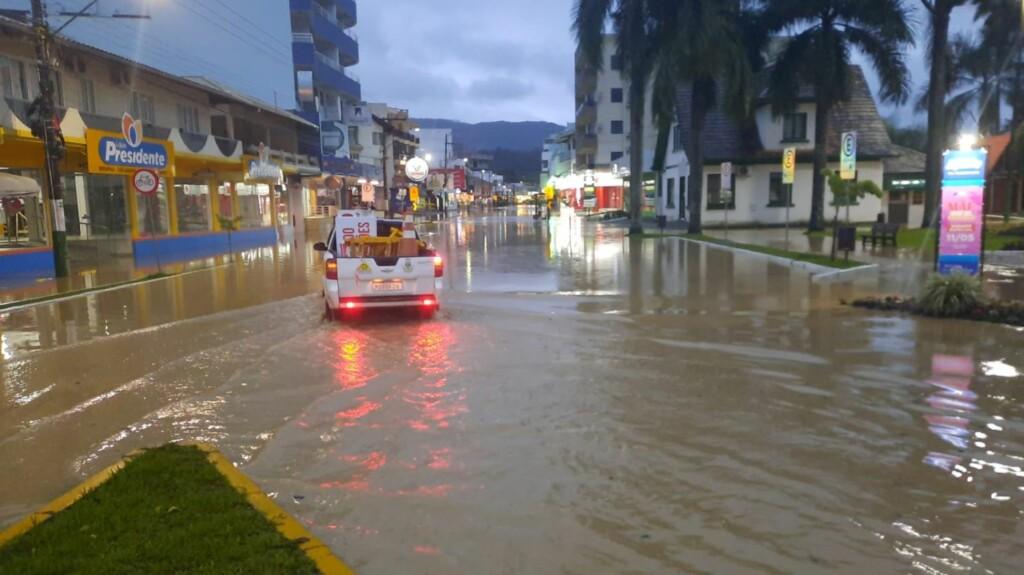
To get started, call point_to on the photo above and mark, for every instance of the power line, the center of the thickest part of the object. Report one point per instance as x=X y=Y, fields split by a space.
x=286 y=59
x=259 y=28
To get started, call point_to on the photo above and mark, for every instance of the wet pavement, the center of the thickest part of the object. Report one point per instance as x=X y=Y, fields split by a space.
x=584 y=403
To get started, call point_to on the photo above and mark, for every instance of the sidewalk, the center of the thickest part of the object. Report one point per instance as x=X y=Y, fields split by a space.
x=89 y=271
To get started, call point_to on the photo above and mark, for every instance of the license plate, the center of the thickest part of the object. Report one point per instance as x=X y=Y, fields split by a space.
x=394 y=285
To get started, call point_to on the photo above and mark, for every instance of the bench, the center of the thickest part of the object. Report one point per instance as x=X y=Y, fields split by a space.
x=880 y=232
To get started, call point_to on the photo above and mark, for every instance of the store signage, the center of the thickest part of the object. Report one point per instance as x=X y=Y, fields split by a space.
x=416 y=169
x=789 y=166
x=261 y=168
x=146 y=181
x=848 y=156
x=963 y=205
x=124 y=153
x=356 y=224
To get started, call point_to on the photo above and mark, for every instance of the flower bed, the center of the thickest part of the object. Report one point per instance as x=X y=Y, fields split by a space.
x=1010 y=313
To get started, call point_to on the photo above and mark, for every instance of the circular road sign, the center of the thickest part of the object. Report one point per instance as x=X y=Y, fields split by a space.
x=417 y=169
x=146 y=181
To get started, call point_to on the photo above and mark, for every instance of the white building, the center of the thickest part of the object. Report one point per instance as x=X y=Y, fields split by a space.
x=756 y=151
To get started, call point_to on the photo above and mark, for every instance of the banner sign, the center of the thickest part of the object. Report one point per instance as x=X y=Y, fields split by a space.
x=789 y=166
x=124 y=153
x=963 y=211
x=848 y=156
x=727 y=176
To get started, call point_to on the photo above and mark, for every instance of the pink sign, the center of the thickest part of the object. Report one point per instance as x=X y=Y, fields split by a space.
x=960 y=239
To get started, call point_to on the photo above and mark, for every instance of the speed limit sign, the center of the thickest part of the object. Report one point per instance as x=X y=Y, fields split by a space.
x=146 y=181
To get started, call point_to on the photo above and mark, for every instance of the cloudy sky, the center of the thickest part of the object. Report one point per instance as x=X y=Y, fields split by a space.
x=471 y=60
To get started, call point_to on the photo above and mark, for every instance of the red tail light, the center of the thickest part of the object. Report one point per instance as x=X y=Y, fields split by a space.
x=331 y=269
x=350 y=305
x=438 y=267
x=429 y=302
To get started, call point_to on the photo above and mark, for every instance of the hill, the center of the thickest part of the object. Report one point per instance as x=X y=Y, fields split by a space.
x=490 y=136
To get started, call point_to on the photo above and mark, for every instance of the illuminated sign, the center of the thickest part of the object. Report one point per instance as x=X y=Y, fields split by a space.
x=127 y=152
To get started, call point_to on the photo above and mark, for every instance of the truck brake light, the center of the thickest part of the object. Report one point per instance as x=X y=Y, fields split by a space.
x=331 y=269
x=438 y=267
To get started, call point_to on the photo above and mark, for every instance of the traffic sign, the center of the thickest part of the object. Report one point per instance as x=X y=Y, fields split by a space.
x=789 y=166
x=727 y=176
x=146 y=181
x=848 y=156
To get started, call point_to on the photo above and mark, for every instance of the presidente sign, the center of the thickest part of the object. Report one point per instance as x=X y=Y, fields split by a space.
x=127 y=152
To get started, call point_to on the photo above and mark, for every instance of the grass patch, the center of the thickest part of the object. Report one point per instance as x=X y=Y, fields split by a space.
x=167 y=511
x=997 y=236
x=818 y=259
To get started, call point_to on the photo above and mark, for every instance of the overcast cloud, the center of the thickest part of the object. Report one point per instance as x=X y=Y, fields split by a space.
x=471 y=60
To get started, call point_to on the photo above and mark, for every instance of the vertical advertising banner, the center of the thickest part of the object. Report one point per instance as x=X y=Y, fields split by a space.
x=963 y=211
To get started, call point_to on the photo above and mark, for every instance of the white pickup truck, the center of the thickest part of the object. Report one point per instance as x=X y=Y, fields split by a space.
x=354 y=283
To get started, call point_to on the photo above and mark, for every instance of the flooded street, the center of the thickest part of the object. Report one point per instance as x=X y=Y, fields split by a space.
x=584 y=403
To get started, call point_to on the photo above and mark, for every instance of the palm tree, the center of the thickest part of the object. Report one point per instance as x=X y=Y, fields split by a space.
x=818 y=54
x=939 y=12
x=632 y=28
x=714 y=46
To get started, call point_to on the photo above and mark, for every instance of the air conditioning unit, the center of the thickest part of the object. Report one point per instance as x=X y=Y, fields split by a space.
x=742 y=171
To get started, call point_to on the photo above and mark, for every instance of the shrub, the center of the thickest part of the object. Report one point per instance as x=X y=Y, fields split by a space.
x=956 y=295
x=1014 y=231
x=1013 y=247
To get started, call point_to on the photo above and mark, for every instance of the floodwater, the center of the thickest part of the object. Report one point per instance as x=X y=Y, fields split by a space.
x=583 y=404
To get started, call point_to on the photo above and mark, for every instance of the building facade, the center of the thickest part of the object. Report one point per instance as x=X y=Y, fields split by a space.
x=221 y=157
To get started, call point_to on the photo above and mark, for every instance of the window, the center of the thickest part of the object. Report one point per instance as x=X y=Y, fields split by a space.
x=377 y=138
x=616 y=126
x=188 y=118
x=794 y=127
x=616 y=95
x=193 y=207
x=677 y=138
x=12 y=79
x=353 y=135
x=616 y=156
x=544 y=165
x=671 y=192
x=616 y=62
x=918 y=198
x=776 y=191
x=87 y=97
x=716 y=197
x=143 y=107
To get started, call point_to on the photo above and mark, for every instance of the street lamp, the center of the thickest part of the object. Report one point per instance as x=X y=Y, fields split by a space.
x=968 y=141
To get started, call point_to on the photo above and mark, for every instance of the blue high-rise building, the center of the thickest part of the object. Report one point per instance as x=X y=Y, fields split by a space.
x=323 y=48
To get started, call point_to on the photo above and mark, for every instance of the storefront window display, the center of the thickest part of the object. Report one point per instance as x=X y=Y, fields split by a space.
x=22 y=219
x=193 y=207
x=254 y=205
x=225 y=204
x=152 y=212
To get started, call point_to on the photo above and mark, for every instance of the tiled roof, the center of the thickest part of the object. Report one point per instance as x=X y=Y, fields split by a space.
x=906 y=161
x=724 y=140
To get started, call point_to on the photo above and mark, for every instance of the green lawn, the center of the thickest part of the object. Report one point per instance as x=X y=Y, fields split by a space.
x=167 y=511
x=798 y=256
x=922 y=238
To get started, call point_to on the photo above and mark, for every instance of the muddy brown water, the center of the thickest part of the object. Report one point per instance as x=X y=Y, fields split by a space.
x=583 y=404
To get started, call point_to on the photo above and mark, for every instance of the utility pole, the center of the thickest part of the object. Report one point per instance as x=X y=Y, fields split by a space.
x=46 y=126
x=444 y=189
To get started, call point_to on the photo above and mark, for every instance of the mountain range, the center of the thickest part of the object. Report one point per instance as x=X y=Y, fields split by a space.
x=490 y=136
x=516 y=146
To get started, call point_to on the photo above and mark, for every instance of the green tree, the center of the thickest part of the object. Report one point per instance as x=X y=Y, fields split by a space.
x=975 y=85
x=825 y=32
x=633 y=29
x=847 y=193
x=714 y=48
x=939 y=14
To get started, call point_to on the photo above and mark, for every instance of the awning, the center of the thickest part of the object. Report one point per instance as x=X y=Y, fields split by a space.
x=12 y=186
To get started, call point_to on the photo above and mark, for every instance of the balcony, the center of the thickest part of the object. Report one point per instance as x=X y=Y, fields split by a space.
x=347 y=13
x=586 y=112
x=325 y=71
x=323 y=28
x=586 y=142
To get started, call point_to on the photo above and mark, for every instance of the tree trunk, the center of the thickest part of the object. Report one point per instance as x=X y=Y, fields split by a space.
x=816 y=222
x=695 y=156
x=637 y=89
x=936 y=111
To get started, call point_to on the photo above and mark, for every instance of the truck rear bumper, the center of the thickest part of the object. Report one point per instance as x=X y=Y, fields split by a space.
x=417 y=301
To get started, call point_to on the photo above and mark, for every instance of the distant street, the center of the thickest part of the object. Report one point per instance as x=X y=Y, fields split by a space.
x=583 y=404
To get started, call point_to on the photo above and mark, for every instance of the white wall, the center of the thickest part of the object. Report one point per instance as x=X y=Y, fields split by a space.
x=752 y=197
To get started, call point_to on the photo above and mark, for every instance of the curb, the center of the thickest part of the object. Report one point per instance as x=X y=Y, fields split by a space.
x=819 y=273
x=286 y=525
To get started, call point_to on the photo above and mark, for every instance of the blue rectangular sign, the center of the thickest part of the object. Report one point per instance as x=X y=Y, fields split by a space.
x=116 y=152
x=964 y=166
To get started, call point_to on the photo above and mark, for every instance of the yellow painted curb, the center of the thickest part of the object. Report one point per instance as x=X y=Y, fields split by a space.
x=286 y=525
